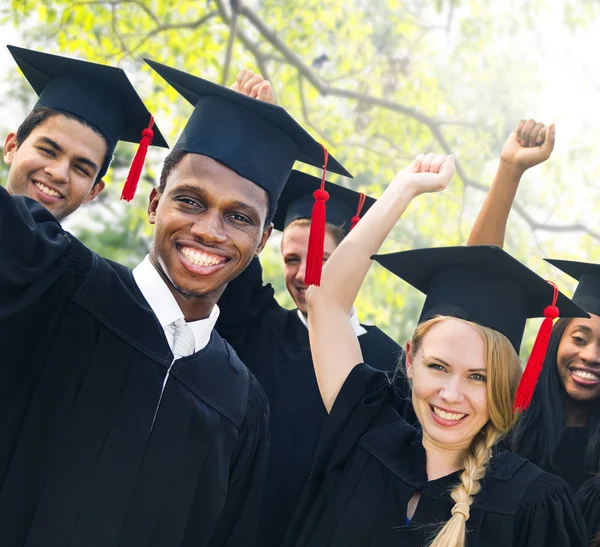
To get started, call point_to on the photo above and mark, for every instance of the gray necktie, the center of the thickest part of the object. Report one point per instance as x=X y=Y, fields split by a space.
x=184 y=342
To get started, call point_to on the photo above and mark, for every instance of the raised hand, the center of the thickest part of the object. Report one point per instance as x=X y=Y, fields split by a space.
x=529 y=144
x=334 y=345
x=254 y=85
x=427 y=173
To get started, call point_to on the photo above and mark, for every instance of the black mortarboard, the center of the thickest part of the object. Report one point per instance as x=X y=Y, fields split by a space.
x=479 y=283
x=258 y=140
x=587 y=293
x=344 y=206
x=485 y=285
x=101 y=95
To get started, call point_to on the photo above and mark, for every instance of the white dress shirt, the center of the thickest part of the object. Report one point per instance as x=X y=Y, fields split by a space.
x=358 y=329
x=165 y=307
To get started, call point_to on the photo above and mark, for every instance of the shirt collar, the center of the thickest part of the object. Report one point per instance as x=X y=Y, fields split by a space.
x=164 y=305
x=358 y=329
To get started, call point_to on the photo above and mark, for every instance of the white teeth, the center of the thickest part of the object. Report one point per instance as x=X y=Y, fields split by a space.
x=48 y=191
x=447 y=415
x=585 y=375
x=201 y=259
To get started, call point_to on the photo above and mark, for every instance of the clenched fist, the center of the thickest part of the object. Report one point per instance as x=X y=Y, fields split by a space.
x=529 y=144
x=254 y=85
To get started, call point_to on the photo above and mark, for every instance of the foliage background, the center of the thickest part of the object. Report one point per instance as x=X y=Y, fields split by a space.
x=378 y=81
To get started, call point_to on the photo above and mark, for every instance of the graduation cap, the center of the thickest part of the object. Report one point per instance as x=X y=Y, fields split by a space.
x=258 y=140
x=344 y=208
x=100 y=95
x=587 y=293
x=485 y=285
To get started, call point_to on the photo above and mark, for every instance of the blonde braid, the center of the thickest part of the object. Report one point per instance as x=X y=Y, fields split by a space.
x=503 y=372
x=453 y=534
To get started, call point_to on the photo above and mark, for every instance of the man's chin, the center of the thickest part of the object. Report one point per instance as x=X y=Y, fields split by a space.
x=58 y=212
x=199 y=290
x=206 y=286
x=194 y=288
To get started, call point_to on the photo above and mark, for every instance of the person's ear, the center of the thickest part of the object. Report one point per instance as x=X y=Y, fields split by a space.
x=96 y=189
x=264 y=238
x=153 y=201
x=10 y=147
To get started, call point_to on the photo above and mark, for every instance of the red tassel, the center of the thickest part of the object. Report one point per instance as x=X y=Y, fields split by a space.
x=135 y=171
x=536 y=358
x=361 y=201
x=316 y=237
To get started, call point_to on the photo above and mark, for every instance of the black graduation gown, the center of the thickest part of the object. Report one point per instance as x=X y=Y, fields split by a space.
x=369 y=463
x=589 y=501
x=82 y=368
x=273 y=342
x=569 y=458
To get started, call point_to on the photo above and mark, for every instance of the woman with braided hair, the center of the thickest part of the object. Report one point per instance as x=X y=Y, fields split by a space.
x=378 y=481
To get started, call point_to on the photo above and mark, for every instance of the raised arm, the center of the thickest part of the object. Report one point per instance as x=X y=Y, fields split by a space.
x=528 y=145
x=32 y=248
x=335 y=348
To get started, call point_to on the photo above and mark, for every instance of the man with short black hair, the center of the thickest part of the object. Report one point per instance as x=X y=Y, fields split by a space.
x=62 y=150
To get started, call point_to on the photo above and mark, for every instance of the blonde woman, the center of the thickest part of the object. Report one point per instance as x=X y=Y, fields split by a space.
x=376 y=481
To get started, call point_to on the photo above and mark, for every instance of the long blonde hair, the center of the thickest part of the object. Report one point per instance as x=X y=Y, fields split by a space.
x=503 y=374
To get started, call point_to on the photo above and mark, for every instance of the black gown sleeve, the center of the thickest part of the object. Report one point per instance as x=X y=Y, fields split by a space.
x=589 y=502
x=243 y=303
x=361 y=401
x=549 y=516
x=32 y=252
x=363 y=396
x=238 y=522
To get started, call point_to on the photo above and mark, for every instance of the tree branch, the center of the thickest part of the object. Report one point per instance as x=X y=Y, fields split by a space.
x=173 y=26
x=308 y=74
x=116 y=31
x=245 y=40
x=147 y=10
x=233 y=24
x=305 y=115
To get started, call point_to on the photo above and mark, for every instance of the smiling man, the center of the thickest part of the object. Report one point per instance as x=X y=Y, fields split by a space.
x=235 y=226
x=127 y=419
x=62 y=150
x=219 y=187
